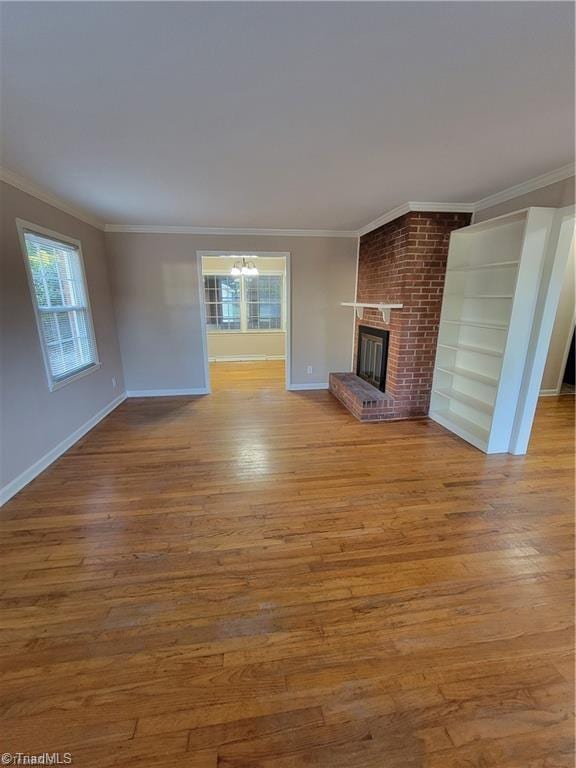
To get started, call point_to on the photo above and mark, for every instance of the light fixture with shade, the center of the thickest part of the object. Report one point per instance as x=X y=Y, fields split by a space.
x=244 y=267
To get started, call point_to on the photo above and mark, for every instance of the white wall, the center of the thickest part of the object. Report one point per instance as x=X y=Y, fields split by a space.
x=35 y=421
x=155 y=286
x=246 y=346
x=557 y=195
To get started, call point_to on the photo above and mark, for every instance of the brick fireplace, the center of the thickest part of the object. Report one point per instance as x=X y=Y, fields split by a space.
x=402 y=262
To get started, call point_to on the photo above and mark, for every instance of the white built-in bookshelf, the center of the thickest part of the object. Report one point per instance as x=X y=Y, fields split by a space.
x=490 y=295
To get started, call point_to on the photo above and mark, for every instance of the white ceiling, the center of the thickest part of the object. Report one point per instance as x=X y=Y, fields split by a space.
x=298 y=115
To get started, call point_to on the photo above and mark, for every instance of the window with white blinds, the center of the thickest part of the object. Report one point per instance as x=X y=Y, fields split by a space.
x=60 y=299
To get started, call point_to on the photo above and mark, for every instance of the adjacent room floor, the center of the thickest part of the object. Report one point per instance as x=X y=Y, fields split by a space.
x=254 y=578
x=247 y=376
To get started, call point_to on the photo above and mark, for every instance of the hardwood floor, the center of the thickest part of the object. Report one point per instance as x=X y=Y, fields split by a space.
x=254 y=579
x=247 y=376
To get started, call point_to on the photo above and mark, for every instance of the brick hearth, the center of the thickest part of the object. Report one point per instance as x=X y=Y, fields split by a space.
x=362 y=399
x=403 y=262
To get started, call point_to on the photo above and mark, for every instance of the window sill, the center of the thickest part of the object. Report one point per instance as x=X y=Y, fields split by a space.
x=244 y=333
x=54 y=385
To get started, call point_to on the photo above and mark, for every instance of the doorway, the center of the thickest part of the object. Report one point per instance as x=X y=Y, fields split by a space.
x=245 y=299
x=567 y=386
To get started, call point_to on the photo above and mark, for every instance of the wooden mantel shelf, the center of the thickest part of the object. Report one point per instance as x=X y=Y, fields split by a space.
x=360 y=307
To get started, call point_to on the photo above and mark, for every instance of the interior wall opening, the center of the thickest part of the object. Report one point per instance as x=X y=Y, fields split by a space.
x=246 y=316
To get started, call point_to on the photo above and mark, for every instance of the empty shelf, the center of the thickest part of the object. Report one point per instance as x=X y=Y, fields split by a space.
x=462 y=427
x=482 y=295
x=456 y=371
x=468 y=268
x=488 y=296
x=478 y=324
x=472 y=348
x=462 y=397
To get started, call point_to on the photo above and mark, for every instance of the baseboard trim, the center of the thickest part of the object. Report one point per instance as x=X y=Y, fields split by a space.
x=12 y=488
x=555 y=393
x=304 y=387
x=244 y=358
x=167 y=392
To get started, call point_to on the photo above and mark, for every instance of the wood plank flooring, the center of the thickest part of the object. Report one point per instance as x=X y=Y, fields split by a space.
x=253 y=579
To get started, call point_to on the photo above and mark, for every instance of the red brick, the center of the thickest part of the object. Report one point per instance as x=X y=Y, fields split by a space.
x=404 y=262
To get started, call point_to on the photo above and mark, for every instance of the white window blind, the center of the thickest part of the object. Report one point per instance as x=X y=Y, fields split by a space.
x=62 y=308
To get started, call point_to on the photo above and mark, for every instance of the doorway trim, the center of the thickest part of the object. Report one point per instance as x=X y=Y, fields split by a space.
x=287 y=305
x=559 y=246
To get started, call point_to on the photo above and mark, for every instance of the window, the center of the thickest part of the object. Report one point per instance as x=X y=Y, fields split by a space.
x=244 y=303
x=222 y=296
x=60 y=298
x=264 y=301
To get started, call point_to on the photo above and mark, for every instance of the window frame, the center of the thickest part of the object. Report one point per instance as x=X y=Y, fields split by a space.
x=244 y=304
x=24 y=227
x=210 y=329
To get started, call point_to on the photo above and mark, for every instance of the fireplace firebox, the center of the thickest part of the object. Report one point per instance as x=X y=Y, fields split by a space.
x=372 y=356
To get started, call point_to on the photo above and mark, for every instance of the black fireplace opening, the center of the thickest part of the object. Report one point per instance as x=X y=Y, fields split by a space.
x=372 y=356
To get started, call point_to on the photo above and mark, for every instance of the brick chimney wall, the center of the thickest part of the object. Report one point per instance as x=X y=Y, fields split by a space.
x=404 y=262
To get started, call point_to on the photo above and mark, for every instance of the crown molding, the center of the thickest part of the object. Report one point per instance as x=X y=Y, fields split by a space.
x=443 y=207
x=384 y=219
x=538 y=182
x=31 y=188
x=401 y=210
x=161 y=230
x=560 y=174
x=25 y=185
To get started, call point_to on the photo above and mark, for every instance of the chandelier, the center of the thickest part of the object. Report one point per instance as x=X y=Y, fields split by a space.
x=244 y=268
